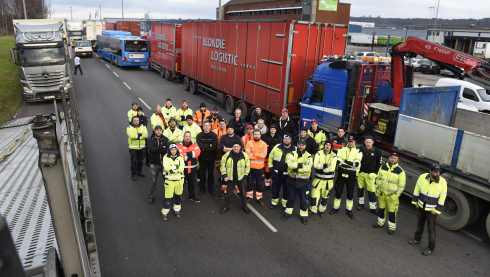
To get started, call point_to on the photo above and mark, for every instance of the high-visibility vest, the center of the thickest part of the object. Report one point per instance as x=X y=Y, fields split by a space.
x=245 y=139
x=391 y=180
x=214 y=121
x=431 y=193
x=352 y=163
x=190 y=160
x=256 y=152
x=181 y=115
x=194 y=129
x=243 y=166
x=200 y=116
x=134 y=141
x=173 y=167
x=219 y=132
x=319 y=137
x=276 y=155
x=299 y=168
x=169 y=113
x=177 y=136
x=131 y=114
x=156 y=120
x=321 y=159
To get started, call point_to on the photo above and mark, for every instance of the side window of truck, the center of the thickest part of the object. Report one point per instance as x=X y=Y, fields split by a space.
x=470 y=94
x=317 y=93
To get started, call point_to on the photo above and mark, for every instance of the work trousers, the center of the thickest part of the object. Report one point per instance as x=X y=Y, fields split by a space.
x=341 y=182
x=206 y=166
x=173 y=189
x=391 y=204
x=423 y=216
x=366 y=180
x=230 y=185
x=156 y=170
x=79 y=68
x=191 y=180
x=137 y=157
x=267 y=176
x=256 y=175
x=319 y=194
x=278 y=181
x=303 y=197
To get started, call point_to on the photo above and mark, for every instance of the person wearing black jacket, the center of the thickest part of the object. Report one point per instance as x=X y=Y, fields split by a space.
x=370 y=164
x=340 y=140
x=285 y=125
x=238 y=123
x=158 y=145
x=144 y=121
x=271 y=139
x=208 y=143
x=226 y=143
x=257 y=115
x=311 y=145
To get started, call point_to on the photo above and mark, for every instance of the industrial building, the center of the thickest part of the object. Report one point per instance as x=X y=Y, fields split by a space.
x=328 y=11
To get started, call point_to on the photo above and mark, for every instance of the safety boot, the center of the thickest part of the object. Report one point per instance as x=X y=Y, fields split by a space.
x=350 y=214
x=150 y=200
x=413 y=242
x=321 y=214
x=272 y=206
x=391 y=232
x=164 y=217
x=177 y=214
x=304 y=220
x=333 y=211
x=261 y=202
x=428 y=252
x=376 y=225
x=360 y=207
x=284 y=217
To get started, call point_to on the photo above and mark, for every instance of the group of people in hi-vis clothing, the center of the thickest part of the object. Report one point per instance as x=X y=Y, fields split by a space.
x=253 y=157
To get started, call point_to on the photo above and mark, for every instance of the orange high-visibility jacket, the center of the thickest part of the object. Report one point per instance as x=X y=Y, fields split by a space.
x=200 y=117
x=245 y=139
x=219 y=132
x=256 y=152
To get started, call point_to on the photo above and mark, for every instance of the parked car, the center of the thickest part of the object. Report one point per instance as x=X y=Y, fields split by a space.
x=83 y=48
x=470 y=93
x=416 y=64
x=430 y=67
x=445 y=72
x=350 y=56
x=361 y=55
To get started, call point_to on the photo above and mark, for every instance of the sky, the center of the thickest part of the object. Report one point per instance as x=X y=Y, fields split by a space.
x=193 y=9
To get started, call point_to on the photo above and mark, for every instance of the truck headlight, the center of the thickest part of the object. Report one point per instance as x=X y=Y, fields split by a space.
x=27 y=89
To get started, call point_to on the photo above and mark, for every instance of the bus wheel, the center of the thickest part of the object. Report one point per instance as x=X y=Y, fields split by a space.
x=193 y=87
x=112 y=60
x=186 y=83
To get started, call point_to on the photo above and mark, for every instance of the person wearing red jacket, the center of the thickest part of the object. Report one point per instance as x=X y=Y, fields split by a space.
x=190 y=151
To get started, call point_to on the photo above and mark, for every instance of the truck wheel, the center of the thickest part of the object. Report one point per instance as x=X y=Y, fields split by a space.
x=242 y=107
x=488 y=225
x=186 y=83
x=479 y=207
x=458 y=211
x=167 y=75
x=230 y=105
x=193 y=87
x=162 y=72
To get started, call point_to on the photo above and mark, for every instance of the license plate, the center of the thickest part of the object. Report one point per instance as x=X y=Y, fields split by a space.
x=49 y=97
x=136 y=61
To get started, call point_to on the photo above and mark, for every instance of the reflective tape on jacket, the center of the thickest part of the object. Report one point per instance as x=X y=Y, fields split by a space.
x=391 y=179
x=431 y=193
x=243 y=166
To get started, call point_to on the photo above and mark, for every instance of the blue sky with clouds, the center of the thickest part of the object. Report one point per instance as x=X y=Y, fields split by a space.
x=194 y=9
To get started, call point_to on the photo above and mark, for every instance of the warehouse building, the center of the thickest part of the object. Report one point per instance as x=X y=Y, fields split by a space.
x=328 y=11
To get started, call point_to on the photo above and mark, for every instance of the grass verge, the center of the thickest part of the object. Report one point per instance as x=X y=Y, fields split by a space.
x=10 y=90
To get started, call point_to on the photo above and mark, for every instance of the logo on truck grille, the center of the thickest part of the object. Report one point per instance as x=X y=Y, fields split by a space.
x=45 y=76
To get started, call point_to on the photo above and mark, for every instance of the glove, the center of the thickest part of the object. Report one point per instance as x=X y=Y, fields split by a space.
x=372 y=175
x=189 y=155
x=182 y=118
x=325 y=166
x=140 y=135
x=176 y=167
x=300 y=165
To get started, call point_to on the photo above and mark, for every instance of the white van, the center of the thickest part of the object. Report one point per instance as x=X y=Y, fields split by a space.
x=470 y=93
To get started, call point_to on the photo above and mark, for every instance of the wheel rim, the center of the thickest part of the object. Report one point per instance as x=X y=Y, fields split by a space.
x=229 y=104
x=192 y=86
x=186 y=82
x=450 y=210
x=242 y=108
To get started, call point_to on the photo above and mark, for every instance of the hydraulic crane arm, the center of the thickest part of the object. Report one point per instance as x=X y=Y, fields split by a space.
x=446 y=57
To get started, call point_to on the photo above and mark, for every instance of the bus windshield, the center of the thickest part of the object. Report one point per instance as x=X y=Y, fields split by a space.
x=42 y=56
x=135 y=46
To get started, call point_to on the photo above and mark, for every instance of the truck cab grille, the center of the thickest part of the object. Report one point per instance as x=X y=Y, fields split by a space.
x=44 y=80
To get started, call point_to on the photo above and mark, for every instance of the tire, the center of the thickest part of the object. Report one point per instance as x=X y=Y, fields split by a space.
x=488 y=225
x=186 y=83
x=423 y=72
x=438 y=71
x=112 y=60
x=162 y=72
x=229 y=105
x=242 y=107
x=459 y=209
x=167 y=75
x=416 y=69
x=478 y=210
x=193 y=87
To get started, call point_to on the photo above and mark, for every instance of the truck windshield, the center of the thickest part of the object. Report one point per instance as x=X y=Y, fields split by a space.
x=42 y=56
x=75 y=33
x=135 y=46
x=485 y=96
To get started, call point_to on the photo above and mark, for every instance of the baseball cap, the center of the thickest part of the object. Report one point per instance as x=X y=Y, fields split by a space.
x=215 y=109
x=134 y=103
x=352 y=138
x=301 y=141
x=172 y=118
x=287 y=135
x=285 y=110
x=158 y=127
x=250 y=127
x=173 y=145
x=435 y=167
x=394 y=154
x=273 y=126
x=314 y=121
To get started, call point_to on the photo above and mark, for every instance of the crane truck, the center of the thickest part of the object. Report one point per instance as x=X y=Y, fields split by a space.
x=423 y=125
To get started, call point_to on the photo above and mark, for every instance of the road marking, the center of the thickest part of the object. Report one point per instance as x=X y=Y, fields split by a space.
x=255 y=211
x=181 y=85
x=107 y=66
x=470 y=235
x=115 y=73
x=126 y=85
x=210 y=101
x=145 y=104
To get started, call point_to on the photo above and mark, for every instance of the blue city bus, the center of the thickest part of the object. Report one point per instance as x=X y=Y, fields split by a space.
x=123 y=49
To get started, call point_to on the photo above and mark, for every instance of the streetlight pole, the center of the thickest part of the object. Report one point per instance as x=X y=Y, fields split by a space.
x=435 y=22
x=25 y=13
x=122 y=9
x=71 y=12
x=100 y=10
x=430 y=17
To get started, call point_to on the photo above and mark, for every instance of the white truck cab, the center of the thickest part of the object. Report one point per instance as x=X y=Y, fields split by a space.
x=470 y=93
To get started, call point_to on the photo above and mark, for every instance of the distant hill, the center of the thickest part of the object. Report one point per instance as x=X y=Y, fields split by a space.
x=400 y=22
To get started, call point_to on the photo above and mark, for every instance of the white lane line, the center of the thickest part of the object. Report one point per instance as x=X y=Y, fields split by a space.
x=107 y=66
x=210 y=101
x=145 y=104
x=126 y=85
x=115 y=73
x=181 y=85
x=470 y=235
x=255 y=211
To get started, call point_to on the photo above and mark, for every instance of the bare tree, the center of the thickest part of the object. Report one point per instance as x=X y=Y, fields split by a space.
x=14 y=9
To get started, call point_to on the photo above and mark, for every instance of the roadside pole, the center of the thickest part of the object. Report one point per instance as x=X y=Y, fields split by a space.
x=387 y=45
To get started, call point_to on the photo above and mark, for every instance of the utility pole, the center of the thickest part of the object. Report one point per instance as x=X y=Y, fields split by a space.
x=435 y=22
x=100 y=10
x=25 y=13
x=71 y=12
x=430 y=16
x=219 y=11
x=122 y=9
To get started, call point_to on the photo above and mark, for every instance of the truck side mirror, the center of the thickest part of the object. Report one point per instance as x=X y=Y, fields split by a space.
x=12 y=55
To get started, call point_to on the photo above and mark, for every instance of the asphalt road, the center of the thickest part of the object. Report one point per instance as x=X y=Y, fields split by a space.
x=132 y=239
